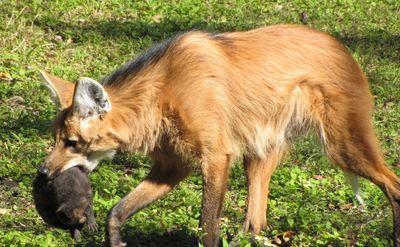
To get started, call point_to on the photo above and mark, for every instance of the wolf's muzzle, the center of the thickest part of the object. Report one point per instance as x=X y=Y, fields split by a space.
x=44 y=171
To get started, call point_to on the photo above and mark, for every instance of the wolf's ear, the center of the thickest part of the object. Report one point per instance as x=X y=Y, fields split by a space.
x=61 y=90
x=90 y=98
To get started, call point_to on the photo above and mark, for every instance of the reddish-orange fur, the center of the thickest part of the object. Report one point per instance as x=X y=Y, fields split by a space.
x=209 y=98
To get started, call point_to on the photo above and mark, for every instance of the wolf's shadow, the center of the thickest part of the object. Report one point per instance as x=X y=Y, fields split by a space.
x=155 y=238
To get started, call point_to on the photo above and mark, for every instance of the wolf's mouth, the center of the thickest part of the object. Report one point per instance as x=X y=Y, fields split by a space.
x=83 y=169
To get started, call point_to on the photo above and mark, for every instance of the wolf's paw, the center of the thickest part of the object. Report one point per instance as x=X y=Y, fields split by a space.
x=115 y=240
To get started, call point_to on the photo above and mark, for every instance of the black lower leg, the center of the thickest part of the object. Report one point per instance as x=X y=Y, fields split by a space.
x=396 y=216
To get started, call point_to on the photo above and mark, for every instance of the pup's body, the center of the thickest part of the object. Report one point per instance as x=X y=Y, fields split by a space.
x=66 y=201
x=207 y=98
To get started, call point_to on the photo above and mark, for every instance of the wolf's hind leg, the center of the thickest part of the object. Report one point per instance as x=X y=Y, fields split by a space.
x=258 y=174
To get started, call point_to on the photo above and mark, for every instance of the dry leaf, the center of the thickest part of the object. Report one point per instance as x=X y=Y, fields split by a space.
x=5 y=76
x=346 y=207
x=58 y=37
x=319 y=177
x=288 y=235
x=15 y=101
x=157 y=18
x=277 y=240
x=3 y=211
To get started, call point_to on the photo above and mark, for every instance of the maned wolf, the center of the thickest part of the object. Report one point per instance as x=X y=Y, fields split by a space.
x=204 y=98
x=66 y=201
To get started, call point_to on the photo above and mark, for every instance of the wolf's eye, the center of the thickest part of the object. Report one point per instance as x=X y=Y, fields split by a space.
x=71 y=143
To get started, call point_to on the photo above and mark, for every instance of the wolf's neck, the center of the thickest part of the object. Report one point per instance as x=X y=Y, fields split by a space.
x=136 y=113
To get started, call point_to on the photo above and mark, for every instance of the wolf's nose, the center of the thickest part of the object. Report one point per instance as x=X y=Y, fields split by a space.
x=43 y=171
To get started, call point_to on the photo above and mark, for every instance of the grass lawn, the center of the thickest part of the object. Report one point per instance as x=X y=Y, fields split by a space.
x=309 y=201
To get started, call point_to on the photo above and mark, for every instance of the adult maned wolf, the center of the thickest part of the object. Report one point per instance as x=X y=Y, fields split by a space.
x=202 y=99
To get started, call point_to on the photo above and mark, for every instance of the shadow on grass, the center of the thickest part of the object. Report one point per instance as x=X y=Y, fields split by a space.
x=28 y=125
x=378 y=43
x=157 y=237
x=116 y=29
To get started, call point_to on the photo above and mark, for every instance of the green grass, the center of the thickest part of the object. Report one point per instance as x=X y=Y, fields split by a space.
x=91 y=38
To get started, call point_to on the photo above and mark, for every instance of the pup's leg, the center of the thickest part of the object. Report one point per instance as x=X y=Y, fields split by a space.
x=91 y=222
x=75 y=233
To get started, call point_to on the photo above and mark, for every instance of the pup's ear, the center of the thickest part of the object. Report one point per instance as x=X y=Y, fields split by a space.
x=90 y=98
x=61 y=90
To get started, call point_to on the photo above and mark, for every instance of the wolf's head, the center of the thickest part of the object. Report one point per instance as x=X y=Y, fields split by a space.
x=84 y=131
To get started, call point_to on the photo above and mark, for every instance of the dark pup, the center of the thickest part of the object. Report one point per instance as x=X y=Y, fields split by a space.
x=66 y=201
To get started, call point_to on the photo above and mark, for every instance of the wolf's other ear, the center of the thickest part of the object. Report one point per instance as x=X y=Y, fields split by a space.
x=90 y=98
x=61 y=90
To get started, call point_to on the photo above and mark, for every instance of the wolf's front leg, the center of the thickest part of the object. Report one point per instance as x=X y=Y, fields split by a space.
x=165 y=174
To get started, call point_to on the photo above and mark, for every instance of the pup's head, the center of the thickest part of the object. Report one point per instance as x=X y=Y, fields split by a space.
x=83 y=131
x=73 y=212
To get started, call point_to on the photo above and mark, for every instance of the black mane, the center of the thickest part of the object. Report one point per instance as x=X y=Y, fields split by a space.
x=131 y=68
